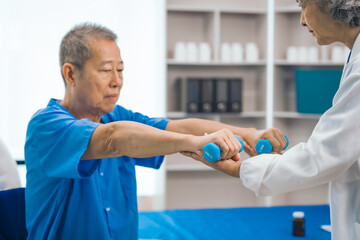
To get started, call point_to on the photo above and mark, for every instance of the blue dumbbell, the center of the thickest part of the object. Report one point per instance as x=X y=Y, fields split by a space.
x=212 y=152
x=264 y=146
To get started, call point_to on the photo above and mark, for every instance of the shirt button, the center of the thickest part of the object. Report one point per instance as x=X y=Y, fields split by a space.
x=101 y=174
x=108 y=209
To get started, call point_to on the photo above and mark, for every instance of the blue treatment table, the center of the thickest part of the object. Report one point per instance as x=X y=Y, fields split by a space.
x=253 y=223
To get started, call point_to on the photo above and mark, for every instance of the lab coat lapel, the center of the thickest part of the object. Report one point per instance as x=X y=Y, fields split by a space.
x=348 y=65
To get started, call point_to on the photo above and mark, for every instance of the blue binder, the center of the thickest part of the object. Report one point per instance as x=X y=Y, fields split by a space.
x=315 y=89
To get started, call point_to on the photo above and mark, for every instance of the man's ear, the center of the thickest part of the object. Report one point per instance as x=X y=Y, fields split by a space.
x=68 y=71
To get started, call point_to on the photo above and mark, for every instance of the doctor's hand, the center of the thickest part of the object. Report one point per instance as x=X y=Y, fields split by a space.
x=229 y=166
x=274 y=135
x=224 y=138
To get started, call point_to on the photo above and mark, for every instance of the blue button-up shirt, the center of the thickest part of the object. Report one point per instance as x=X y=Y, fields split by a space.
x=71 y=199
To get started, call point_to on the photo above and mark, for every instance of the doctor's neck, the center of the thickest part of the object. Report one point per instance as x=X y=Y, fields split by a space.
x=350 y=37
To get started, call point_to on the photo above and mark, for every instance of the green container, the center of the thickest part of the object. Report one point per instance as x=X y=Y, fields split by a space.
x=315 y=89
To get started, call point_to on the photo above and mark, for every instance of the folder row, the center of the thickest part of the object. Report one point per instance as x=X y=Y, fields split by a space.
x=207 y=95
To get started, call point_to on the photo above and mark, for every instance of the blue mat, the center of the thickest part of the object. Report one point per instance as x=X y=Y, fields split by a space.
x=235 y=223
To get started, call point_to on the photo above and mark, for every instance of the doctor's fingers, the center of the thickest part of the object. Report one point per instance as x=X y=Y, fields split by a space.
x=227 y=142
x=276 y=138
x=237 y=146
x=282 y=140
x=231 y=148
x=251 y=151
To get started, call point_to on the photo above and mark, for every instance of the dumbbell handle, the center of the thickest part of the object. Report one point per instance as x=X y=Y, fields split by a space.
x=264 y=146
x=212 y=152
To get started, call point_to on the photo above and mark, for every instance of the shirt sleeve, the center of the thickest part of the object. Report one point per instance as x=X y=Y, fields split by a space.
x=57 y=141
x=332 y=148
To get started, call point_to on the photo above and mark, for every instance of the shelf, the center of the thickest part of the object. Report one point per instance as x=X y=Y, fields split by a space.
x=244 y=10
x=215 y=63
x=254 y=114
x=281 y=62
x=180 y=8
x=217 y=22
x=186 y=8
x=296 y=115
x=292 y=9
x=172 y=62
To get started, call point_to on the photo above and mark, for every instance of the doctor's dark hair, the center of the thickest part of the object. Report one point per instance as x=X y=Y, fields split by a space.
x=342 y=11
x=75 y=45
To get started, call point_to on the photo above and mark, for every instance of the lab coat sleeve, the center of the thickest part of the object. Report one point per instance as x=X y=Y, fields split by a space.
x=331 y=149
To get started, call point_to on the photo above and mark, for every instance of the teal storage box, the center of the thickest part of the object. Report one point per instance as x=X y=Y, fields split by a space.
x=315 y=89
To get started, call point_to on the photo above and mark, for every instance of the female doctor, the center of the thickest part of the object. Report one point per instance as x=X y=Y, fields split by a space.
x=332 y=153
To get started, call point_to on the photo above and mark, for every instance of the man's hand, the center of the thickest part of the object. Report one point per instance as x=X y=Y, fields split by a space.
x=250 y=136
x=229 y=161
x=274 y=135
x=223 y=138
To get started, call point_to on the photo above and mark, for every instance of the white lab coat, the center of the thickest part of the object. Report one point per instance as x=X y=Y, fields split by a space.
x=332 y=154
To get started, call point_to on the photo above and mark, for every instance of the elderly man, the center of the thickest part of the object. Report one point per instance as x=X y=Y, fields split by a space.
x=81 y=151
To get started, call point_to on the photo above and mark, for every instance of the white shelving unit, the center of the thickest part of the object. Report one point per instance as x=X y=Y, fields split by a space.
x=172 y=62
x=283 y=62
x=190 y=184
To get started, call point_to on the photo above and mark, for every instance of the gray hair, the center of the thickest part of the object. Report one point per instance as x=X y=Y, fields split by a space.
x=75 y=45
x=342 y=11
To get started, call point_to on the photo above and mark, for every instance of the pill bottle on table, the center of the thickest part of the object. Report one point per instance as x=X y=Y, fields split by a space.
x=298 y=224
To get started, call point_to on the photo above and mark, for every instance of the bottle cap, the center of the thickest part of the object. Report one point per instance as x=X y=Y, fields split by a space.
x=298 y=214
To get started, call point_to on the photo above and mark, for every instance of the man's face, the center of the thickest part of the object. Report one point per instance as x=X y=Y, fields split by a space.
x=98 y=86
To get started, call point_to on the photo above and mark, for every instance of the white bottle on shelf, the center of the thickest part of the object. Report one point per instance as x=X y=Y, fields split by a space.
x=252 y=52
x=237 y=52
x=180 y=52
x=191 y=52
x=225 y=52
x=291 y=54
x=302 y=54
x=204 y=52
x=313 y=54
x=337 y=54
x=324 y=53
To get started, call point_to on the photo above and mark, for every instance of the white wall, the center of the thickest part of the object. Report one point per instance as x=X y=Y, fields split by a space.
x=30 y=35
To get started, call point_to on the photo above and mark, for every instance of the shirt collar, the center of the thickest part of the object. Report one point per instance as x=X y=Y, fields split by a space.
x=55 y=103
